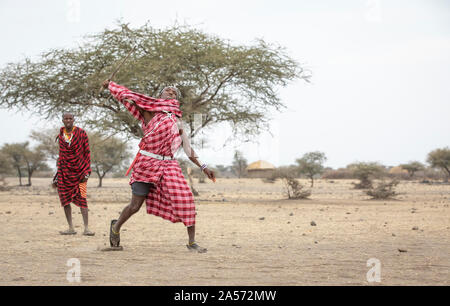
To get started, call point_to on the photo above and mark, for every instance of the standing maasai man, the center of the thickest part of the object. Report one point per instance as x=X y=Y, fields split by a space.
x=74 y=168
x=157 y=176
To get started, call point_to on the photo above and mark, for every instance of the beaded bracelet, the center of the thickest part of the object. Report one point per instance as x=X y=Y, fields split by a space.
x=203 y=167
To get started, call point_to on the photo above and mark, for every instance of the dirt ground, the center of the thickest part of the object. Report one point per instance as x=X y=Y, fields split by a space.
x=254 y=237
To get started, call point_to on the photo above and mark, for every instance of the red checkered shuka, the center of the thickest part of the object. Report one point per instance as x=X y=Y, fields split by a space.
x=171 y=198
x=74 y=163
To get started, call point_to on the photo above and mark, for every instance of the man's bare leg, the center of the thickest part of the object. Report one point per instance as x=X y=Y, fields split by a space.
x=129 y=210
x=84 y=213
x=68 y=213
x=193 y=246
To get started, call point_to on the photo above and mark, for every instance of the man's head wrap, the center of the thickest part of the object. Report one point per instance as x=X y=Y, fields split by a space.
x=174 y=87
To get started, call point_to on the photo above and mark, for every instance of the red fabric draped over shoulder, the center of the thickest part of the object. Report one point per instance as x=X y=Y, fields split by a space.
x=74 y=163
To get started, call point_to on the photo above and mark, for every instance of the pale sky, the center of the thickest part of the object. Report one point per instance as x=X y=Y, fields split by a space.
x=381 y=69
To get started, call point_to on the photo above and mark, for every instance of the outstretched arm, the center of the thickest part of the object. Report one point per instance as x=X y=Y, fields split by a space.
x=119 y=93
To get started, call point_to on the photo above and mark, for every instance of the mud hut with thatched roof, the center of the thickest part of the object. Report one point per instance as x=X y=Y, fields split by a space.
x=260 y=169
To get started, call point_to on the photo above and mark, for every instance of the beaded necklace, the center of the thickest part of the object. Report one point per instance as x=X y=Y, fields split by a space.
x=68 y=136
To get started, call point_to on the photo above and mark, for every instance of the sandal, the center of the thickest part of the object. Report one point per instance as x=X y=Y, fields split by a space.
x=68 y=232
x=88 y=233
x=114 y=238
x=195 y=247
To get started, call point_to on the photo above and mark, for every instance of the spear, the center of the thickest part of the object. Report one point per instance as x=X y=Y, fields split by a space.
x=117 y=68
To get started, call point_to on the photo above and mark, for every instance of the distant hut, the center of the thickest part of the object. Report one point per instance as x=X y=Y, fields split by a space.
x=260 y=169
x=398 y=170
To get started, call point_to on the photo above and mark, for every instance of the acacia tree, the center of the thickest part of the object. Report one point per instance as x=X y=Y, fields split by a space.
x=5 y=165
x=5 y=168
x=239 y=164
x=311 y=164
x=224 y=82
x=15 y=153
x=47 y=142
x=107 y=154
x=440 y=158
x=34 y=160
x=24 y=159
x=413 y=167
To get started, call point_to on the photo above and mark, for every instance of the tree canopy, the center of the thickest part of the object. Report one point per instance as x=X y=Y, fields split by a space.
x=440 y=158
x=24 y=159
x=222 y=81
x=413 y=167
x=239 y=164
x=311 y=164
x=107 y=154
x=365 y=172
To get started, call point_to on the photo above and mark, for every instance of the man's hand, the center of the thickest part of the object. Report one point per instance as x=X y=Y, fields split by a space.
x=105 y=83
x=210 y=174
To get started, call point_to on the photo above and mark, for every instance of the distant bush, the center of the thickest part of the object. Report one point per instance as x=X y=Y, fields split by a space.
x=398 y=173
x=44 y=174
x=269 y=180
x=440 y=158
x=338 y=174
x=413 y=167
x=384 y=190
x=432 y=174
x=366 y=172
x=293 y=188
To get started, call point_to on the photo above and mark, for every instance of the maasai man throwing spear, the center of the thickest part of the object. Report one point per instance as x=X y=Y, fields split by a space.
x=74 y=168
x=157 y=176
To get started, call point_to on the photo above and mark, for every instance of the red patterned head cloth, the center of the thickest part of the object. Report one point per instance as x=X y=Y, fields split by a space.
x=150 y=104
x=173 y=87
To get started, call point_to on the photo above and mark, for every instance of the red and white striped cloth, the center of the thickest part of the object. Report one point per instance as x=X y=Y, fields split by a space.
x=171 y=198
x=74 y=163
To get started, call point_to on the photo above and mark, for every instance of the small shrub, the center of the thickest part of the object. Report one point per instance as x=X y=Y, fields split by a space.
x=269 y=180
x=384 y=190
x=295 y=189
x=3 y=185
x=272 y=178
x=365 y=172
x=364 y=183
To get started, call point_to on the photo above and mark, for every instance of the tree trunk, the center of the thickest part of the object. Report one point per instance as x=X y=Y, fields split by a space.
x=286 y=185
x=20 y=175
x=312 y=181
x=100 y=180
x=448 y=174
x=30 y=173
x=99 y=177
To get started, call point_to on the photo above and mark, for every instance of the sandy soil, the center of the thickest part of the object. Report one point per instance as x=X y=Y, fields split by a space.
x=253 y=236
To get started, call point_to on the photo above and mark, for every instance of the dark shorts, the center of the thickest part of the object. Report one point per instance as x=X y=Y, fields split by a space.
x=141 y=188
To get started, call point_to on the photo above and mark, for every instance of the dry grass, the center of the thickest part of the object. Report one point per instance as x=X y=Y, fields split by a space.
x=254 y=237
